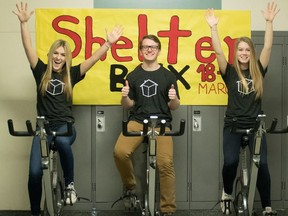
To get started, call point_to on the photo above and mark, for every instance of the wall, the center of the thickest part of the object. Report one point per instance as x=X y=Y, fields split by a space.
x=256 y=16
x=17 y=95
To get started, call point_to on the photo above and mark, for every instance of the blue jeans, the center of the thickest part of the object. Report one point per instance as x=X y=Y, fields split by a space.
x=231 y=149
x=63 y=144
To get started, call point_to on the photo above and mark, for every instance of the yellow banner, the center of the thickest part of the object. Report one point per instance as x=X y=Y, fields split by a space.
x=186 y=48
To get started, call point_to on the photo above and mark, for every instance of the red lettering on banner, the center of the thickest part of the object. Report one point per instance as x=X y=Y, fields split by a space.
x=212 y=88
x=207 y=72
x=200 y=46
x=143 y=30
x=73 y=35
x=173 y=34
x=207 y=69
x=90 y=40
x=231 y=47
x=126 y=43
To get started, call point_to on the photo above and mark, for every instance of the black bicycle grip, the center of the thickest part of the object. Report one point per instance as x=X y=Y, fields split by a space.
x=12 y=132
x=162 y=127
x=177 y=133
x=273 y=129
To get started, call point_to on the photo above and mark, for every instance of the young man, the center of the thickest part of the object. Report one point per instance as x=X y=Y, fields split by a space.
x=161 y=98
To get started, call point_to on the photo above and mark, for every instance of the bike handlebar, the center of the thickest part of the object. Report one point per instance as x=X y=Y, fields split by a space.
x=69 y=131
x=237 y=130
x=272 y=129
x=145 y=129
x=31 y=132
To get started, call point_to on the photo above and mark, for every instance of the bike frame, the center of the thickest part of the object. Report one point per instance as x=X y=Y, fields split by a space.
x=54 y=202
x=248 y=183
x=243 y=178
x=255 y=161
x=151 y=167
x=151 y=170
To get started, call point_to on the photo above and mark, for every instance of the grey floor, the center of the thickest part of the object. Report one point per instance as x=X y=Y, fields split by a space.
x=281 y=212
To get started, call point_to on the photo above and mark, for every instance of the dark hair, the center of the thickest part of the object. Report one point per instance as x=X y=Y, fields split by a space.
x=151 y=37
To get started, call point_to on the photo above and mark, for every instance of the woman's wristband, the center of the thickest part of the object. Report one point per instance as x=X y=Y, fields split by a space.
x=214 y=28
x=107 y=44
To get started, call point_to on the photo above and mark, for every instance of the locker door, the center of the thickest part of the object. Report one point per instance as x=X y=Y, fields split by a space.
x=82 y=150
x=181 y=158
x=206 y=150
x=285 y=122
x=108 y=185
x=272 y=106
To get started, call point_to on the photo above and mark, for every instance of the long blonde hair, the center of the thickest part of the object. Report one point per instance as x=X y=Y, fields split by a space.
x=254 y=70
x=65 y=70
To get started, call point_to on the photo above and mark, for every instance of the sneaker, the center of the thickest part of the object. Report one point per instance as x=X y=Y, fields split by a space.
x=70 y=194
x=269 y=212
x=226 y=203
x=129 y=199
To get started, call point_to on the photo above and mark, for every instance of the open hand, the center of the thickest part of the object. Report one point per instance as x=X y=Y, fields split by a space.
x=22 y=12
x=114 y=35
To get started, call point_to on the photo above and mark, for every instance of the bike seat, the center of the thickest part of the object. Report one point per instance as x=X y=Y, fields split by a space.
x=244 y=140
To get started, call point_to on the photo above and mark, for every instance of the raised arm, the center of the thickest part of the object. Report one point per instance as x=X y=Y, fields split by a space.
x=269 y=16
x=213 y=22
x=112 y=37
x=23 y=16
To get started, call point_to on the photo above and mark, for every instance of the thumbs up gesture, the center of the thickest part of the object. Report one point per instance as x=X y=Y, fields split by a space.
x=172 y=93
x=125 y=89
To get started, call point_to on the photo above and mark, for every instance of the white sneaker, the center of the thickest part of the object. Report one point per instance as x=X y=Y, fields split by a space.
x=269 y=212
x=70 y=194
x=226 y=203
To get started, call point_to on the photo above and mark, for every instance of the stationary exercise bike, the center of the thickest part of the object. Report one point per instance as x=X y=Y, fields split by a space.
x=245 y=185
x=149 y=131
x=52 y=174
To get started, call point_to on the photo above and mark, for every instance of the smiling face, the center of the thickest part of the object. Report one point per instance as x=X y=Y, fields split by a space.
x=58 y=59
x=243 y=53
x=149 y=50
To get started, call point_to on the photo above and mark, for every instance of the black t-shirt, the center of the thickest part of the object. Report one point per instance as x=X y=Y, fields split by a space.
x=241 y=105
x=149 y=90
x=54 y=105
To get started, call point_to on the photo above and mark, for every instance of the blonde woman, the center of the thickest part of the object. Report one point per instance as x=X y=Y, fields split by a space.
x=244 y=81
x=55 y=103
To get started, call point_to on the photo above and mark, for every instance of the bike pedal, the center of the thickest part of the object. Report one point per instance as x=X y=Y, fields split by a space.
x=226 y=207
x=130 y=203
